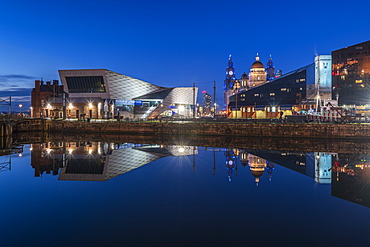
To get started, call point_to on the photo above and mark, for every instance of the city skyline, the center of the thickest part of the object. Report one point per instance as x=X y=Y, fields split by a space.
x=166 y=43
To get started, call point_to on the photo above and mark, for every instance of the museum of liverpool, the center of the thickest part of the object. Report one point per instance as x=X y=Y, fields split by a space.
x=104 y=94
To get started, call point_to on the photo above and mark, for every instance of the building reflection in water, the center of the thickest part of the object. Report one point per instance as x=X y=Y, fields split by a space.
x=231 y=156
x=351 y=178
x=348 y=174
x=97 y=161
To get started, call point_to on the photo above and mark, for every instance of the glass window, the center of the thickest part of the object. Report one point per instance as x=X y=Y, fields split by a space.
x=86 y=84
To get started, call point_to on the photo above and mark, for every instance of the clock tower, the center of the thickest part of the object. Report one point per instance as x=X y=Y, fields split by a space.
x=230 y=75
x=229 y=81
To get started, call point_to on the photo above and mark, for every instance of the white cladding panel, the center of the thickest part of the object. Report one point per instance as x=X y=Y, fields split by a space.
x=125 y=87
x=182 y=95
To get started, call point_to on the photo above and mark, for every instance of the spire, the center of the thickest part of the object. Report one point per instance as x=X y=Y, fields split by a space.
x=270 y=69
x=270 y=64
x=257 y=57
x=230 y=64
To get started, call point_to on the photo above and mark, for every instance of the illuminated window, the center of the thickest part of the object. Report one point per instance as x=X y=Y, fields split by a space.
x=300 y=88
x=358 y=81
x=248 y=109
x=302 y=79
x=273 y=109
x=272 y=94
x=283 y=89
x=256 y=95
x=268 y=109
x=343 y=77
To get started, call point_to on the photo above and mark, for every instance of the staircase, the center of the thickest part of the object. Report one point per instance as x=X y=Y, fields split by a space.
x=148 y=112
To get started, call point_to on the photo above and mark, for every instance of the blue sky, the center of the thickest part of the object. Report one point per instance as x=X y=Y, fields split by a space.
x=168 y=43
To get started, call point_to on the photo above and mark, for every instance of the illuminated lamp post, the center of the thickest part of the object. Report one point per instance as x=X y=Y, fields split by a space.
x=236 y=89
x=90 y=105
x=70 y=107
x=20 y=109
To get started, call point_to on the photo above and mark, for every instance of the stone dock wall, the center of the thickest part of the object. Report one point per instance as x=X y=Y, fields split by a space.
x=280 y=130
x=6 y=131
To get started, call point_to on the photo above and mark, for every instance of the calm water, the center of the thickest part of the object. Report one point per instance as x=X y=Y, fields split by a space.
x=104 y=194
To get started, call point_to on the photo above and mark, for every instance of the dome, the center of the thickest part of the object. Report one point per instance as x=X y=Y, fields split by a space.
x=257 y=65
x=257 y=173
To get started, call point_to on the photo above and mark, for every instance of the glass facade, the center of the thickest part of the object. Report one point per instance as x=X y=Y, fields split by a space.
x=85 y=84
x=351 y=74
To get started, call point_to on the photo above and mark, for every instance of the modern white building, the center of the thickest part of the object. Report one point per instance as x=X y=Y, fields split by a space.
x=113 y=94
x=104 y=94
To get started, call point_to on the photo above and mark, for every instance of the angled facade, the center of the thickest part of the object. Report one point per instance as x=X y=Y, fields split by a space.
x=104 y=94
x=97 y=161
x=276 y=97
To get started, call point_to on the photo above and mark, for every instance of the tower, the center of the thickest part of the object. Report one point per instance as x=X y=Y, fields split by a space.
x=257 y=74
x=244 y=81
x=270 y=69
x=230 y=74
x=207 y=101
x=229 y=81
x=323 y=77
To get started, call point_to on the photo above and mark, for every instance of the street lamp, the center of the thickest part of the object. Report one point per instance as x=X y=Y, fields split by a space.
x=20 y=109
x=236 y=89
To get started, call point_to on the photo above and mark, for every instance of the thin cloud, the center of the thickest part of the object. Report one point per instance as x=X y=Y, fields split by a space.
x=15 y=92
x=12 y=78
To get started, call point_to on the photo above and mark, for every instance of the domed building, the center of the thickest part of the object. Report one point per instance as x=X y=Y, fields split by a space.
x=257 y=74
x=257 y=166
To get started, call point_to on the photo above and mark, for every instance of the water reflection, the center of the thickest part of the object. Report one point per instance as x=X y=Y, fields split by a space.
x=97 y=161
x=348 y=174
